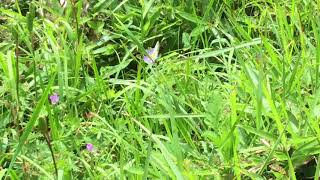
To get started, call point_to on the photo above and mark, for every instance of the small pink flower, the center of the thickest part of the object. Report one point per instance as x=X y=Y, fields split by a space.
x=90 y=147
x=54 y=98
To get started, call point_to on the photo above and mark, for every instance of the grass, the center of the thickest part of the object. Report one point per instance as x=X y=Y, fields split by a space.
x=234 y=94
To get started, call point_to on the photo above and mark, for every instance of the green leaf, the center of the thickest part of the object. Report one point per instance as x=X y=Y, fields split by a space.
x=147 y=8
x=186 y=40
x=222 y=51
x=2 y=172
x=190 y=17
x=105 y=50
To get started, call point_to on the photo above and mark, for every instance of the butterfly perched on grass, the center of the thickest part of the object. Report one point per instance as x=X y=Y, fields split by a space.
x=63 y=3
x=153 y=54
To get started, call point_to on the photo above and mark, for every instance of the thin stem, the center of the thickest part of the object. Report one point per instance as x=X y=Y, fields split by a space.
x=46 y=136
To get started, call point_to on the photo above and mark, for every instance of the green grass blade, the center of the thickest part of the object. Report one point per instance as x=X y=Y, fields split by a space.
x=31 y=122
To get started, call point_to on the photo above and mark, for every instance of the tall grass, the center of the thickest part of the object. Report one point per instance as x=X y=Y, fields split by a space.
x=234 y=93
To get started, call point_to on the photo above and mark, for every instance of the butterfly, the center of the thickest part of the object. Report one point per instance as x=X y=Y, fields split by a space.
x=63 y=3
x=152 y=54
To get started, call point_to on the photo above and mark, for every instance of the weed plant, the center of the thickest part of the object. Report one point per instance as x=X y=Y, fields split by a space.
x=159 y=89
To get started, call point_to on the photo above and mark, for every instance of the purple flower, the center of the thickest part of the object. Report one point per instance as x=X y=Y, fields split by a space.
x=90 y=147
x=152 y=55
x=54 y=98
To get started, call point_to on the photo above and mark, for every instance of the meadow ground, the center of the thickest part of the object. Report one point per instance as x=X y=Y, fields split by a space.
x=159 y=89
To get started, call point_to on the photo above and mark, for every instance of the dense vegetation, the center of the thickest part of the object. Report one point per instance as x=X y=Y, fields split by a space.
x=159 y=89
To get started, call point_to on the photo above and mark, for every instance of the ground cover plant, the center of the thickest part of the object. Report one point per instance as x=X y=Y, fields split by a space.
x=159 y=89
